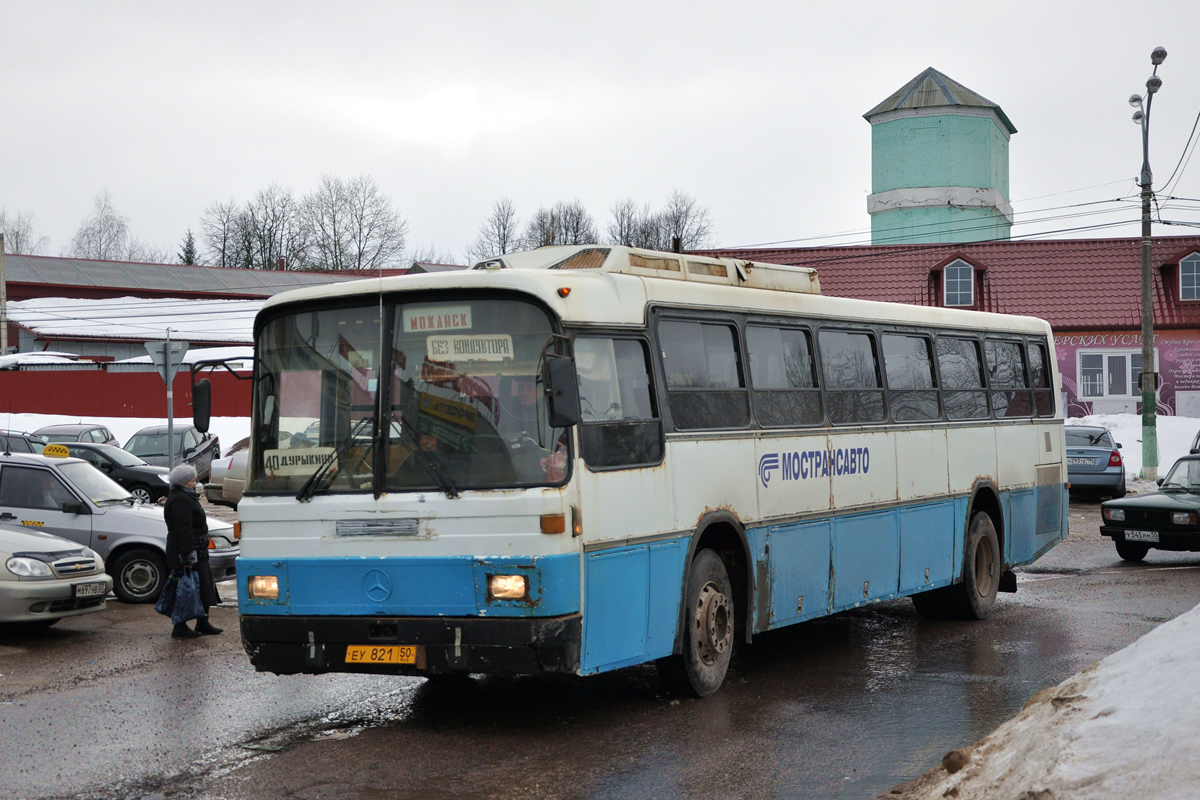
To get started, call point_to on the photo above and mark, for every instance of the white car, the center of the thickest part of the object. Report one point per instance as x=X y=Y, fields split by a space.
x=44 y=578
x=228 y=479
x=70 y=498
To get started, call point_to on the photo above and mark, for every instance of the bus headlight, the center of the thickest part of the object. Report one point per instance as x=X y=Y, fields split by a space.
x=262 y=587
x=508 y=587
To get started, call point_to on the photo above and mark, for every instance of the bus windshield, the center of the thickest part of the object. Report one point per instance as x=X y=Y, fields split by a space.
x=461 y=403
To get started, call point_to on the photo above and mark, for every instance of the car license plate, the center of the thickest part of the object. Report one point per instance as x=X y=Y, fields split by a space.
x=1081 y=462
x=90 y=590
x=1141 y=536
x=381 y=654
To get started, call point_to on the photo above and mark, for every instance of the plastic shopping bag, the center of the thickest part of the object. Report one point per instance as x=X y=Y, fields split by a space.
x=187 y=599
x=166 y=599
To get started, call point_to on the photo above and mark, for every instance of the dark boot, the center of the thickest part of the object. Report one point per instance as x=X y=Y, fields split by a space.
x=206 y=628
x=182 y=631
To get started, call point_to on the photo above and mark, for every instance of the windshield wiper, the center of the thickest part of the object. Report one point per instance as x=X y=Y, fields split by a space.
x=431 y=469
x=310 y=486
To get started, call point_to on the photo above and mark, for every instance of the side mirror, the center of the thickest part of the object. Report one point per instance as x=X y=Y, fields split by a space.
x=562 y=391
x=1118 y=445
x=74 y=507
x=202 y=405
x=1160 y=481
x=1193 y=452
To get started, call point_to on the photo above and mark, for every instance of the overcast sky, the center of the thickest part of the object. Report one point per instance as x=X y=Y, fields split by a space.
x=754 y=108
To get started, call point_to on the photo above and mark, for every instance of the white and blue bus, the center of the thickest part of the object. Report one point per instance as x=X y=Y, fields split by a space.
x=583 y=458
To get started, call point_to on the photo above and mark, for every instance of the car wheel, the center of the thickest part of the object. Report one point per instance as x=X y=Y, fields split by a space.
x=708 y=633
x=1120 y=492
x=142 y=494
x=1133 y=552
x=138 y=575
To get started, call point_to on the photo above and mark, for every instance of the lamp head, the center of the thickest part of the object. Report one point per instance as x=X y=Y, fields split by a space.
x=1135 y=100
x=1153 y=84
x=1137 y=116
x=1158 y=55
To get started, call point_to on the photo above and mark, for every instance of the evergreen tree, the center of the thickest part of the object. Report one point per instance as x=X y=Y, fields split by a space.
x=188 y=254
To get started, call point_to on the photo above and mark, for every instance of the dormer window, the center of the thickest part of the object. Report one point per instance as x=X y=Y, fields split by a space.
x=1189 y=277
x=959 y=283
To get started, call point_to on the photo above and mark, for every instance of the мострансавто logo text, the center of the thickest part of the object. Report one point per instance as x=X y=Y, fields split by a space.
x=805 y=464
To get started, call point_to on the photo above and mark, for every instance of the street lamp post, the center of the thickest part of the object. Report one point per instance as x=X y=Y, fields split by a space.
x=1149 y=378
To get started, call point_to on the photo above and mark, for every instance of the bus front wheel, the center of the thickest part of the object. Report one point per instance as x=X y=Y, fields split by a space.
x=708 y=633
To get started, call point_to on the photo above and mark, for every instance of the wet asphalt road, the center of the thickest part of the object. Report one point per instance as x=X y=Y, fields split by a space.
x=106 y=706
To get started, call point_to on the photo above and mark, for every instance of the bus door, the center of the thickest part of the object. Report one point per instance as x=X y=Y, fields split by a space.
x=632 y=579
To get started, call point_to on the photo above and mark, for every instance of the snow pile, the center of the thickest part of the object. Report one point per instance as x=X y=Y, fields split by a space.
x=41 y=357
x=1125 y=727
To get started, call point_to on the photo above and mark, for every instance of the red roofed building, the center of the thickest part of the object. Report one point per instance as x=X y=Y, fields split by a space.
x=1089 y=290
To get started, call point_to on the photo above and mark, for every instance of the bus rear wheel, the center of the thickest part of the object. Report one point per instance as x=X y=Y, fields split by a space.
x=975 y=595
x=708 y=633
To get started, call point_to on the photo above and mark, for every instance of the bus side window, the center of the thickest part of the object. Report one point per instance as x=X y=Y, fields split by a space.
x=853 y=390
x=620 y=426
x=783 y=377
x=1043 y=392
x=962 y=378
x=912 y=393
x=705 y=384
x=1006 y=373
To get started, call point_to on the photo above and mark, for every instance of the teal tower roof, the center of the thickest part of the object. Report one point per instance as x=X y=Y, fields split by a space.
x=939 y=164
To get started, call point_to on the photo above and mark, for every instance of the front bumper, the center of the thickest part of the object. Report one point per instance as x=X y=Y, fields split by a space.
x=53 y=599
x=494 y=646
x=223 y=563
x=1183 y=541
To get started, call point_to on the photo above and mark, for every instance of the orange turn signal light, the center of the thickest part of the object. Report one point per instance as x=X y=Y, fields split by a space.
x=237 y=530
x=554 y=523
x=564 y=291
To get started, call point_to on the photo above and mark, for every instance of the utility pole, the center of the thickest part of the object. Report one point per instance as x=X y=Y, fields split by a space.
x=3 y=302
x=1149 y=377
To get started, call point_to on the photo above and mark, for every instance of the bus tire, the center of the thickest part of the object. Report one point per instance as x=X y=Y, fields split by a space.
x=934 y=604
x=1133 y=552
x=976 y=594
x=708 y=630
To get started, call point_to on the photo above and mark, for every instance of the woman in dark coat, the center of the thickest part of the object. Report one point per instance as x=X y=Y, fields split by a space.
x=187 y=545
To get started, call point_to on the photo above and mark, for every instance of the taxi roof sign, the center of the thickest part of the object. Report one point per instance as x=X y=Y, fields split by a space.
x=56 y=451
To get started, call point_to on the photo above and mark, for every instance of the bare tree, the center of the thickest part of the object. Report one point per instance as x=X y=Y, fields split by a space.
x=19 y=236
x=351 y=225
x=432 y=255
x=103 y=235
x=274 y=229
x=636 y=227
x=224 y=236
x=687 y=220
x=146 y=252
x=565 y=223
x=499 y=234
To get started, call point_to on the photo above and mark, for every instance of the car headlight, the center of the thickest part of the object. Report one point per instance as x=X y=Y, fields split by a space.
x=1114 y=514
x=1183 y=518
x=28 y=567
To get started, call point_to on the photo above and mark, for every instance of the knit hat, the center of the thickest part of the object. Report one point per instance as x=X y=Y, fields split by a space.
x=182 y=475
